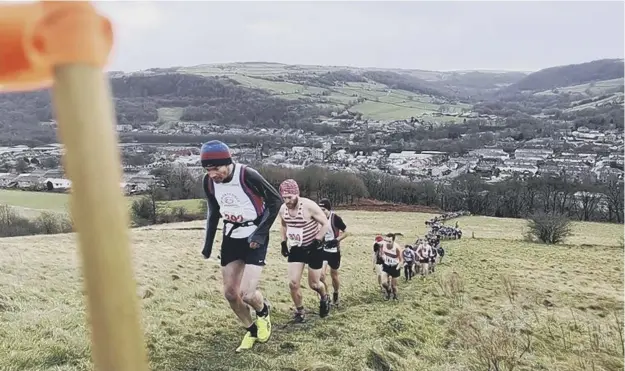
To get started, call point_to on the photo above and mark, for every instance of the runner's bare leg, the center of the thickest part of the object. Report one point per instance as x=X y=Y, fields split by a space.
x=232 y=277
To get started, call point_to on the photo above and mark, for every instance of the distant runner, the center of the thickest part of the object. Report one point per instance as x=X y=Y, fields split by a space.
x=392 y=255
x=331 y=248
x=434 y=243
x=409 y=259
x=423 y=255
x=303 y=227
x=441 y=253
x=248 y=205
x=378 y=261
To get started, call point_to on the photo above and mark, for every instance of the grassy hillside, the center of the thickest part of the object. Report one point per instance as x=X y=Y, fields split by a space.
x=570 y=75
x=384 y=94
x=590 y=89
x=495 y=299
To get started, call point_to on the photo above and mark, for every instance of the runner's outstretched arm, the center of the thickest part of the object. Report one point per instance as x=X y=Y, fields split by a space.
x=272 y=200
x=212 y=216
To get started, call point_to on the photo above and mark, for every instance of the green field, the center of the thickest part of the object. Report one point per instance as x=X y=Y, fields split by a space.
x=380 y=104
x=33 y=203
x=496 y=301
x=594 y=89
x=611 y=98
x=167 y=116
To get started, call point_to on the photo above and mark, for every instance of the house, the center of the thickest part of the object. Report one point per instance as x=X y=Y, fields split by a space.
x=6 y=179
x=551 y=170
x=139 y=183
x=437 y=155
x=489 y=154
x=606 y=173
x=27 y=181
x=53 y=174
x=538 y=154
x=519 y=169
x=486 y=169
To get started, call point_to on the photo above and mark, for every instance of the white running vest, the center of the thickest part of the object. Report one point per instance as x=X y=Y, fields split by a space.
x=235 y=205
x=330 y=234
x=390 y=255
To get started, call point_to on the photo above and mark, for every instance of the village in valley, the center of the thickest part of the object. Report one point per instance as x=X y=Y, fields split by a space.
x=408 y=124
x=39 y=168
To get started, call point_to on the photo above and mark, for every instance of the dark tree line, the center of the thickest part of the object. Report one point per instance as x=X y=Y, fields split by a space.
x=514 y=198
x=322 y=79
x=409 y=83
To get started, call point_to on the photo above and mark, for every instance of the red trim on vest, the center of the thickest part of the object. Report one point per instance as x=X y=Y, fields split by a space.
x=208 y=185
x=257 y=201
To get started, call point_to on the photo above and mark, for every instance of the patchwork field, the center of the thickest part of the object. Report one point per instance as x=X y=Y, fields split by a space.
x=592 y=89
x=381 y=102
x=496 y=303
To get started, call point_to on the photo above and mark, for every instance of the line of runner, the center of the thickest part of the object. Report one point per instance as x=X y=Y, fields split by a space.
x=248 y=205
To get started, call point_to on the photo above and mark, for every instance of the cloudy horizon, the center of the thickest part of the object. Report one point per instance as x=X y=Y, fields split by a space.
x=444 y=36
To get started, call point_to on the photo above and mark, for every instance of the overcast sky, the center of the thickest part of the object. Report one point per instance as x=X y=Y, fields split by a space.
x=524 y=35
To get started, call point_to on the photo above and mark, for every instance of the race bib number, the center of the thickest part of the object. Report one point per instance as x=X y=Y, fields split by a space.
x=295 y=236
x=390 y=261
x=233 y=214
x=233 y=218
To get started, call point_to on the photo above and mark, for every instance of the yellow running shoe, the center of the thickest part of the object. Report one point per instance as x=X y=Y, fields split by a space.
x=264 y=328
x=247 y=343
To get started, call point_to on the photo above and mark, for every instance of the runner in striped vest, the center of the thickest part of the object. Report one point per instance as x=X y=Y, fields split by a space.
x=303 y=227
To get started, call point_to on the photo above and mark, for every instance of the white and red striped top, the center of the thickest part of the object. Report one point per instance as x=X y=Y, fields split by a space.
x=299 y=231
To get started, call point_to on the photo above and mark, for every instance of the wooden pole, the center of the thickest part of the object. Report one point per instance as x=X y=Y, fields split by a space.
x=100 y=215
x=67 y=43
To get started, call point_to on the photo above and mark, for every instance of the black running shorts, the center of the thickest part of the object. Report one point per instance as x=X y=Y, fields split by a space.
x=391 y=270
x=333 y=259
x=303 y=254
x=233 y=249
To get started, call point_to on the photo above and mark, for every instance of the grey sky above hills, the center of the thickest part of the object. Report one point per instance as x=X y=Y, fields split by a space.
x=504 y=35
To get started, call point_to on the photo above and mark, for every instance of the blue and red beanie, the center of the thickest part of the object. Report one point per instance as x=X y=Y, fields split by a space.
x=215 y=153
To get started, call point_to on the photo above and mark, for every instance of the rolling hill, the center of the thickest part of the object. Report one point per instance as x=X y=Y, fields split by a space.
x=570 y=75
x=586 y=93
x=274 y=95
x=384 y=94
x=495 y=300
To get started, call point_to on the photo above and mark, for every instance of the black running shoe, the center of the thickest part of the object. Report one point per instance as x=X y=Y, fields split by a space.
x=299 y=316
x=324 y=307
x=335 y=299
